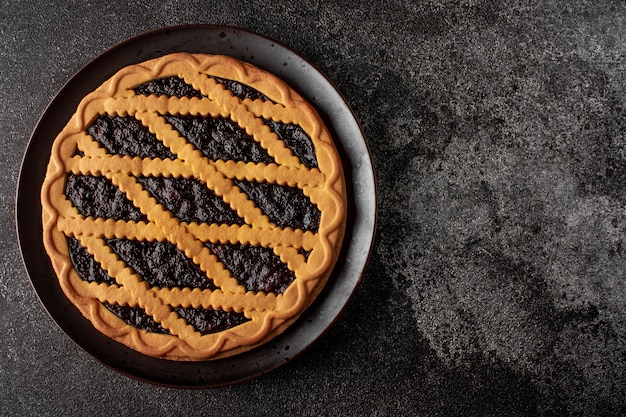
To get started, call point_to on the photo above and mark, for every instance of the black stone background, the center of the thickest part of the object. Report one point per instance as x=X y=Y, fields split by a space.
x=496 y=286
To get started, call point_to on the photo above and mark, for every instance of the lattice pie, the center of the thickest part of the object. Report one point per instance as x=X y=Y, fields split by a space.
x=193 y=207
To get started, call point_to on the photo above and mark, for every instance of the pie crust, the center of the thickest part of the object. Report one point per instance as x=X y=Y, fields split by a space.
x=310 y=255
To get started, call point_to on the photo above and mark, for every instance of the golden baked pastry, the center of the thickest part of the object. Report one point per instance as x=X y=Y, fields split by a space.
x=193 y=206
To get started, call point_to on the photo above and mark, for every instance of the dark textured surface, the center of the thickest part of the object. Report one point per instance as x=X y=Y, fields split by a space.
x=496 y=286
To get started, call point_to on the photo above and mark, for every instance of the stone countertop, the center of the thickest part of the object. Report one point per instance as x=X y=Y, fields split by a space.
x=496 y=285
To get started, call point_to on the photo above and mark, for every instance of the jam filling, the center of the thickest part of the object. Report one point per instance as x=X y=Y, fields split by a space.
x=190 y=200
x=204 y=321
x=96 y=196
x=297 y=140
x=125 y=135
x=136 y=317
x=161 y=264
x=85 y=265
x=208 y=321
x=285 y=206
x=241 y=91
x=304 y=253
x=219 y=138
x=257 y=268
x=168 y=86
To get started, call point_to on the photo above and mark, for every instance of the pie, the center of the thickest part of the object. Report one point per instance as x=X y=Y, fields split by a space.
x=193 y=207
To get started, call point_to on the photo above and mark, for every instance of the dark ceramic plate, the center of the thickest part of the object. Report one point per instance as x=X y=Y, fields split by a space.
x=314 y=87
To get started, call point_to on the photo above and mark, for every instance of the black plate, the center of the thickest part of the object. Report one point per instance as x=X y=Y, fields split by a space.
x=314 y=87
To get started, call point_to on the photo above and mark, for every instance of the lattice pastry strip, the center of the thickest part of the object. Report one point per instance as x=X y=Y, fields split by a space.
x=307 y=251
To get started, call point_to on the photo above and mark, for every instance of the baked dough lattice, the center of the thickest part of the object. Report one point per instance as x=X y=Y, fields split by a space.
x=125 y=222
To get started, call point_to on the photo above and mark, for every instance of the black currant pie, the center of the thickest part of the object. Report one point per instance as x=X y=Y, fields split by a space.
x=193 y=207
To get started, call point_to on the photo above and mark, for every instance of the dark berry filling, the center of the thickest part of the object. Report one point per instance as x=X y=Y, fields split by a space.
x=257 y=268
x=219 y=138
x=136 y=317
x=204 y=321
x=304 y=253
x=285 y=206
x=210 y=321
x=168 y=86
x=297 y=140
x=190 y=200
x=161 y=264
x=125 y=135
x=241 y=91
x=96 y=196
x=85 y=265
